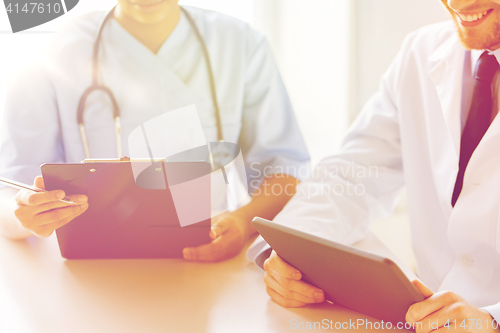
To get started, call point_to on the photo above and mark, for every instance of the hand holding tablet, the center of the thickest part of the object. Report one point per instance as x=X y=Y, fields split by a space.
x=285 y=286
x=349 y=277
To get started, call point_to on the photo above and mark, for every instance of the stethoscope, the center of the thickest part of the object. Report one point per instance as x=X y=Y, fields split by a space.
x=116 y=109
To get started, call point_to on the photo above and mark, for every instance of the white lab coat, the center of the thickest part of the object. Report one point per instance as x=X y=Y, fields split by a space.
x=40 y=113
x=408 y=134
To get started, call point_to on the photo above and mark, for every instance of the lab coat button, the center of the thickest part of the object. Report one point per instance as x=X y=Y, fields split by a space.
x=466 y=260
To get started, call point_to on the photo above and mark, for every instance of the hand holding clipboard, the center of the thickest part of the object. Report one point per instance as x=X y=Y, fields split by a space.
x=42 y=211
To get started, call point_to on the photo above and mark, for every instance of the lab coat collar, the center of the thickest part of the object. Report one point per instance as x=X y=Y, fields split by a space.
x=448 y=80
x=446 y=72
x=447 y=66
x=123 y=40
x=158 y=65
x=175 y=41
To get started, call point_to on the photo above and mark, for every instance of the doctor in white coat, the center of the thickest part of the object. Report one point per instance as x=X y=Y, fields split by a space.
x=411 y=133
x=152 y=60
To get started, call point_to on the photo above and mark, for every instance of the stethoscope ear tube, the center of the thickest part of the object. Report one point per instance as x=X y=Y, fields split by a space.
x=220 y=136
x=84 y=140
x=116 y=116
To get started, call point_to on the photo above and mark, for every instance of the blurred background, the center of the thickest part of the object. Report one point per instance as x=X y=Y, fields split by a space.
x=331 y=54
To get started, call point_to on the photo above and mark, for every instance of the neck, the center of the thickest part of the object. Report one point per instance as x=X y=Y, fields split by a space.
x=151 y=35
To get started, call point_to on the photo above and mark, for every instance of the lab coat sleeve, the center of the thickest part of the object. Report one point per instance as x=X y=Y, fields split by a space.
x=30 y=132
x=270 y=138
x=360 y=183
x=494 y=311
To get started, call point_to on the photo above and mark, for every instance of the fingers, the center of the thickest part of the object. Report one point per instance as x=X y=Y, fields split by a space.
x=39 y=182
x=441 y=330
x=31 y=220
x=442 y=311
x=287 y=303
x=285 y=269
x=455 y=312
x=79 y=199
x=287 y=294
x=458 y=315
x=47 y=229
x=43 y=212
x=221 y=248
x=228 y=239
x=55 y=215
x=29 y=198
x=284 y=284
x=205 y=252
x=426 y=292
x=219 y=228
x=420 y=310
x=29 y=214
x=299 y=287
x=439 y=318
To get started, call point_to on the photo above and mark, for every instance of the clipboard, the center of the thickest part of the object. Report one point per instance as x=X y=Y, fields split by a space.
x=125 y=220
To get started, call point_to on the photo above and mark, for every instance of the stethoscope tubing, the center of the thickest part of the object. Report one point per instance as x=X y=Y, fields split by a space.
x=95 y=86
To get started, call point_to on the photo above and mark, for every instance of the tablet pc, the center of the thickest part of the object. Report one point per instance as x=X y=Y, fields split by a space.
x=125 y=220
x=352 y=278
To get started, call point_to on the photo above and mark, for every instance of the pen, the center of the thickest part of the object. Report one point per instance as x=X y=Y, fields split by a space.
x=21 y=186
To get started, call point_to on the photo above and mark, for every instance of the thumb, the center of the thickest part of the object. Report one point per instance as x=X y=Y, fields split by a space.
x=39 y=182
x=426 y=292
x=218 y=228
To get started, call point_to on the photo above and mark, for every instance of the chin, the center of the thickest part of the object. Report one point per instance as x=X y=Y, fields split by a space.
x=480 y=40
x=150 y=15
x=486 y=37
x=150 y=19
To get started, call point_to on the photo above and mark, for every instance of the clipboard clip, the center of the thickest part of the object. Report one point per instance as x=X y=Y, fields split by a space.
x=124 y=159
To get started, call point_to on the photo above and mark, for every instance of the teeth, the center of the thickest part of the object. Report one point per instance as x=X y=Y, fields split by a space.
x=472 y=18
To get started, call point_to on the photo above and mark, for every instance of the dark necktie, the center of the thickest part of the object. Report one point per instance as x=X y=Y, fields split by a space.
x=479 y=118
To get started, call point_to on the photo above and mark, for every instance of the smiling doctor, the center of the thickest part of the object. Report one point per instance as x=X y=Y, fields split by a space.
x=148 y=57
x=432 y=127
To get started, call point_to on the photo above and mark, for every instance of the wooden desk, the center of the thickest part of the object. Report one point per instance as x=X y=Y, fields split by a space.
x=42 y=292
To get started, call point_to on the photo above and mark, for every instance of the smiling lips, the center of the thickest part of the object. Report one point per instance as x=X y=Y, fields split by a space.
x=140 y=4
x=473 y=17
